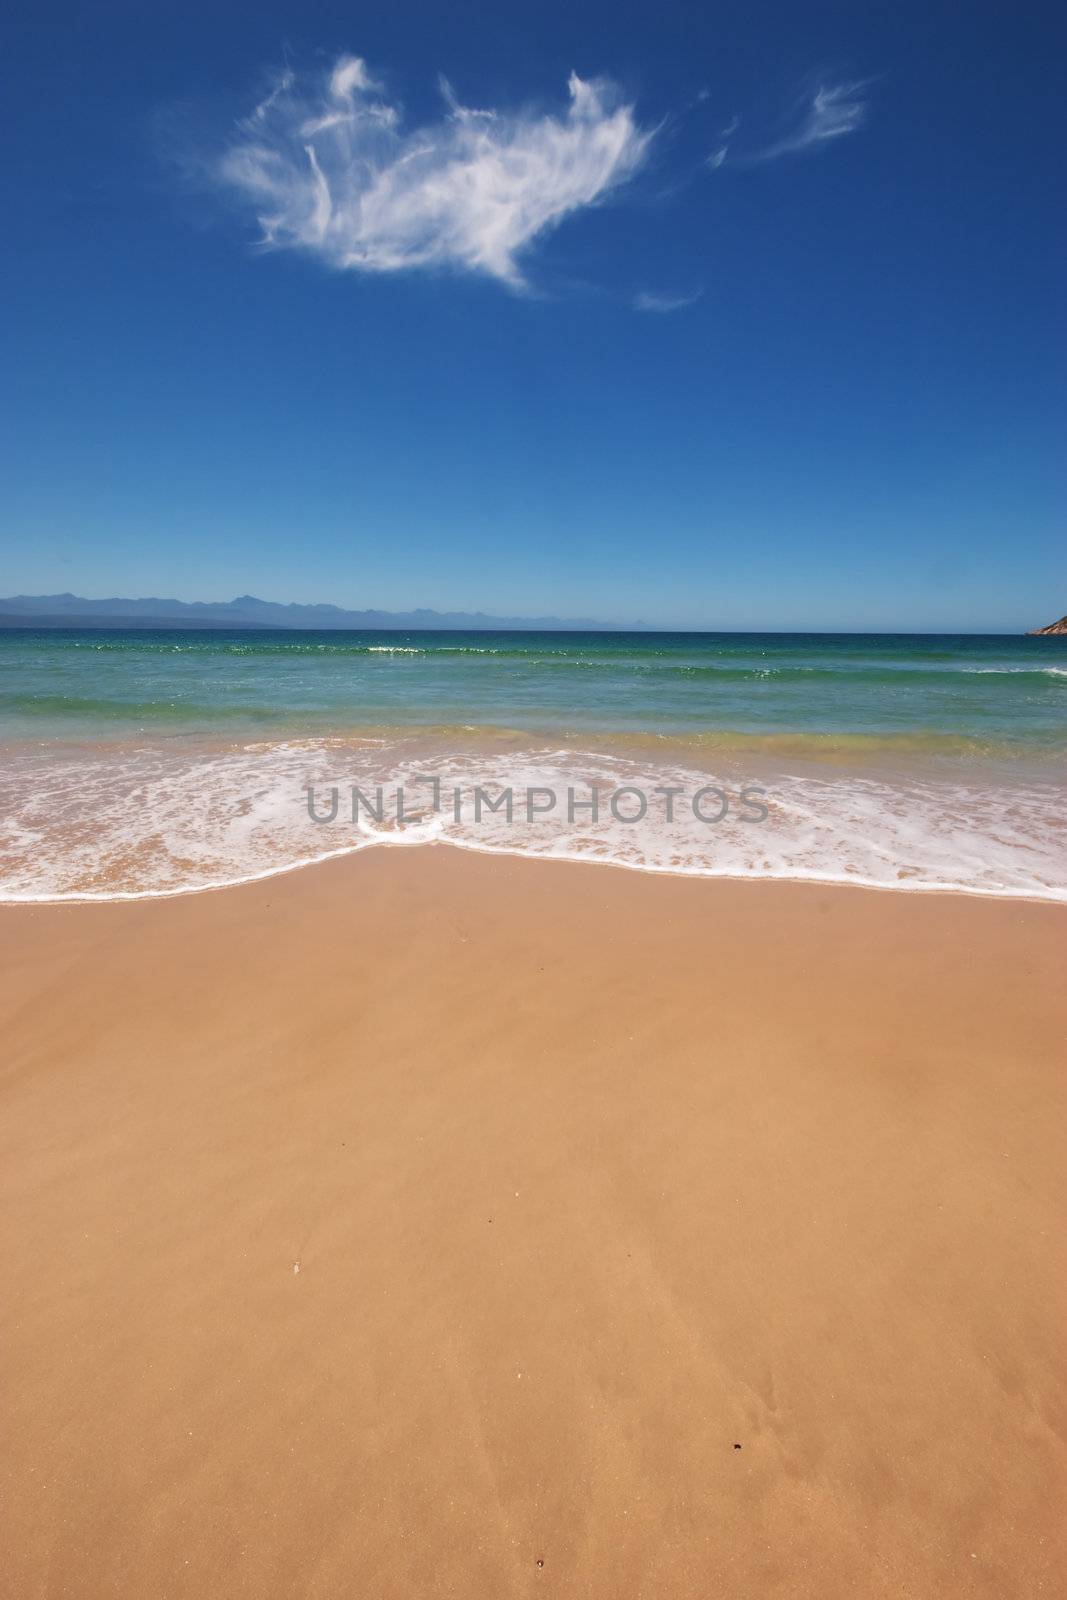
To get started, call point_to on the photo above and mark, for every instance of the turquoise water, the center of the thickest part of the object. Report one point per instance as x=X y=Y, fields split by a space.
x=999 y=693
x=158 y=762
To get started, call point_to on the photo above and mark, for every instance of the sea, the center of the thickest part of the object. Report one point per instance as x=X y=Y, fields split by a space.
x=139 y=762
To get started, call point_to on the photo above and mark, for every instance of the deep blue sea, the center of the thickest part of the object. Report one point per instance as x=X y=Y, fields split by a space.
x=154 y=761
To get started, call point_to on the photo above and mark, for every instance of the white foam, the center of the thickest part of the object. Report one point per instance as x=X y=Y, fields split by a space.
x=132 y=822
x=1002 y=672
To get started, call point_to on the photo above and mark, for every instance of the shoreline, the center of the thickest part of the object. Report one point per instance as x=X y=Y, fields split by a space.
x=346 y=852
x=153 y=819
x=402 y=1225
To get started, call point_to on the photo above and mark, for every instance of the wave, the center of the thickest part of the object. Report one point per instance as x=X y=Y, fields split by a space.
x=173 y=708
x=147 y=820
x=1026 y=672
x=270 y=647
x=96 y=716
x=773 y=675
x=898 y=676
x=88 y=708
x=741 y=662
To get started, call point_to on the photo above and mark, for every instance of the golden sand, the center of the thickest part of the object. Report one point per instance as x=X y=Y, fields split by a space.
x=426 y=1224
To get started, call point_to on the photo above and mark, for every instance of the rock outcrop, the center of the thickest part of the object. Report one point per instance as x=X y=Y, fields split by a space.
x=1053 y=627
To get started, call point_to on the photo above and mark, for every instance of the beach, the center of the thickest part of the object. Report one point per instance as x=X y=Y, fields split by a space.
x=433 y=1223
x=533 y=805
x=140 y=762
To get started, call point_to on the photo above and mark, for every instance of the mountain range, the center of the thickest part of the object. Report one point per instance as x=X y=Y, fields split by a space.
x=246 y=611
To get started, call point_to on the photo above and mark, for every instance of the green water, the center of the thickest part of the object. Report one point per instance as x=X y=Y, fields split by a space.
x=957 y=692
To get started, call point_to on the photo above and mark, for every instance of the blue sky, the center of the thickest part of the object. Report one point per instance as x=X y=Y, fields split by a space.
x=745 y=315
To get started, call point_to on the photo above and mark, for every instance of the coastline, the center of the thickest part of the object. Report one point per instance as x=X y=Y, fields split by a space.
x=151 y=818
x=350 y=852
x=138 y=763
x=766 y=1165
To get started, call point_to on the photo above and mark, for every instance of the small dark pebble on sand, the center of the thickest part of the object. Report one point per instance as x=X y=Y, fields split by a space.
x=540 y=1563
x=737 y=1447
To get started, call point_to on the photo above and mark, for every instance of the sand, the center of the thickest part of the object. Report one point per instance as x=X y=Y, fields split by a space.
x=431 y=1224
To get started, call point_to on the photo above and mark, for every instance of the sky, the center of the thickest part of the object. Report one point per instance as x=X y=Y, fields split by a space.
x=745 y=315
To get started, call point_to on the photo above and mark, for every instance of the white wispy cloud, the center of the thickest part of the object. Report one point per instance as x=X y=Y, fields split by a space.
x=829 y=113
x=328 y=167
x=651 y=300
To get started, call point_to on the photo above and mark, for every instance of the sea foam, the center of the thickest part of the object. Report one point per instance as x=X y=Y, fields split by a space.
x=164 y=817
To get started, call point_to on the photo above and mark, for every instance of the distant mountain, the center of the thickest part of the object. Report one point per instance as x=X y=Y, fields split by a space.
x=70 y=610
x=1053 y=627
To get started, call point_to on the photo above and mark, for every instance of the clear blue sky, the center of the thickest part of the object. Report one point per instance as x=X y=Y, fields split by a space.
x=760 y=324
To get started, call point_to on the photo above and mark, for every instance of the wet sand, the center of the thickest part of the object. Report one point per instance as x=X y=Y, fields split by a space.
x=429 y=1224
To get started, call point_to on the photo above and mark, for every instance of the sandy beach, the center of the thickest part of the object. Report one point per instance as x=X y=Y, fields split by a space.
x=433 y=1224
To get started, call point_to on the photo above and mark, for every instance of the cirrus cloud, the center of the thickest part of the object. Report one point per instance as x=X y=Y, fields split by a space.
x=664 y=303
x=834 y=110
x=830 y=112
x=328 y=168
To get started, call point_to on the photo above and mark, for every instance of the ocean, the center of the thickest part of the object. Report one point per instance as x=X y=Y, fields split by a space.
x=144 y=762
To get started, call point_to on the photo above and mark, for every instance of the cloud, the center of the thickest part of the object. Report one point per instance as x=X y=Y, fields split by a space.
x=350 y=77
x=328 y=168
x=650 y=300
x=831 y=112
